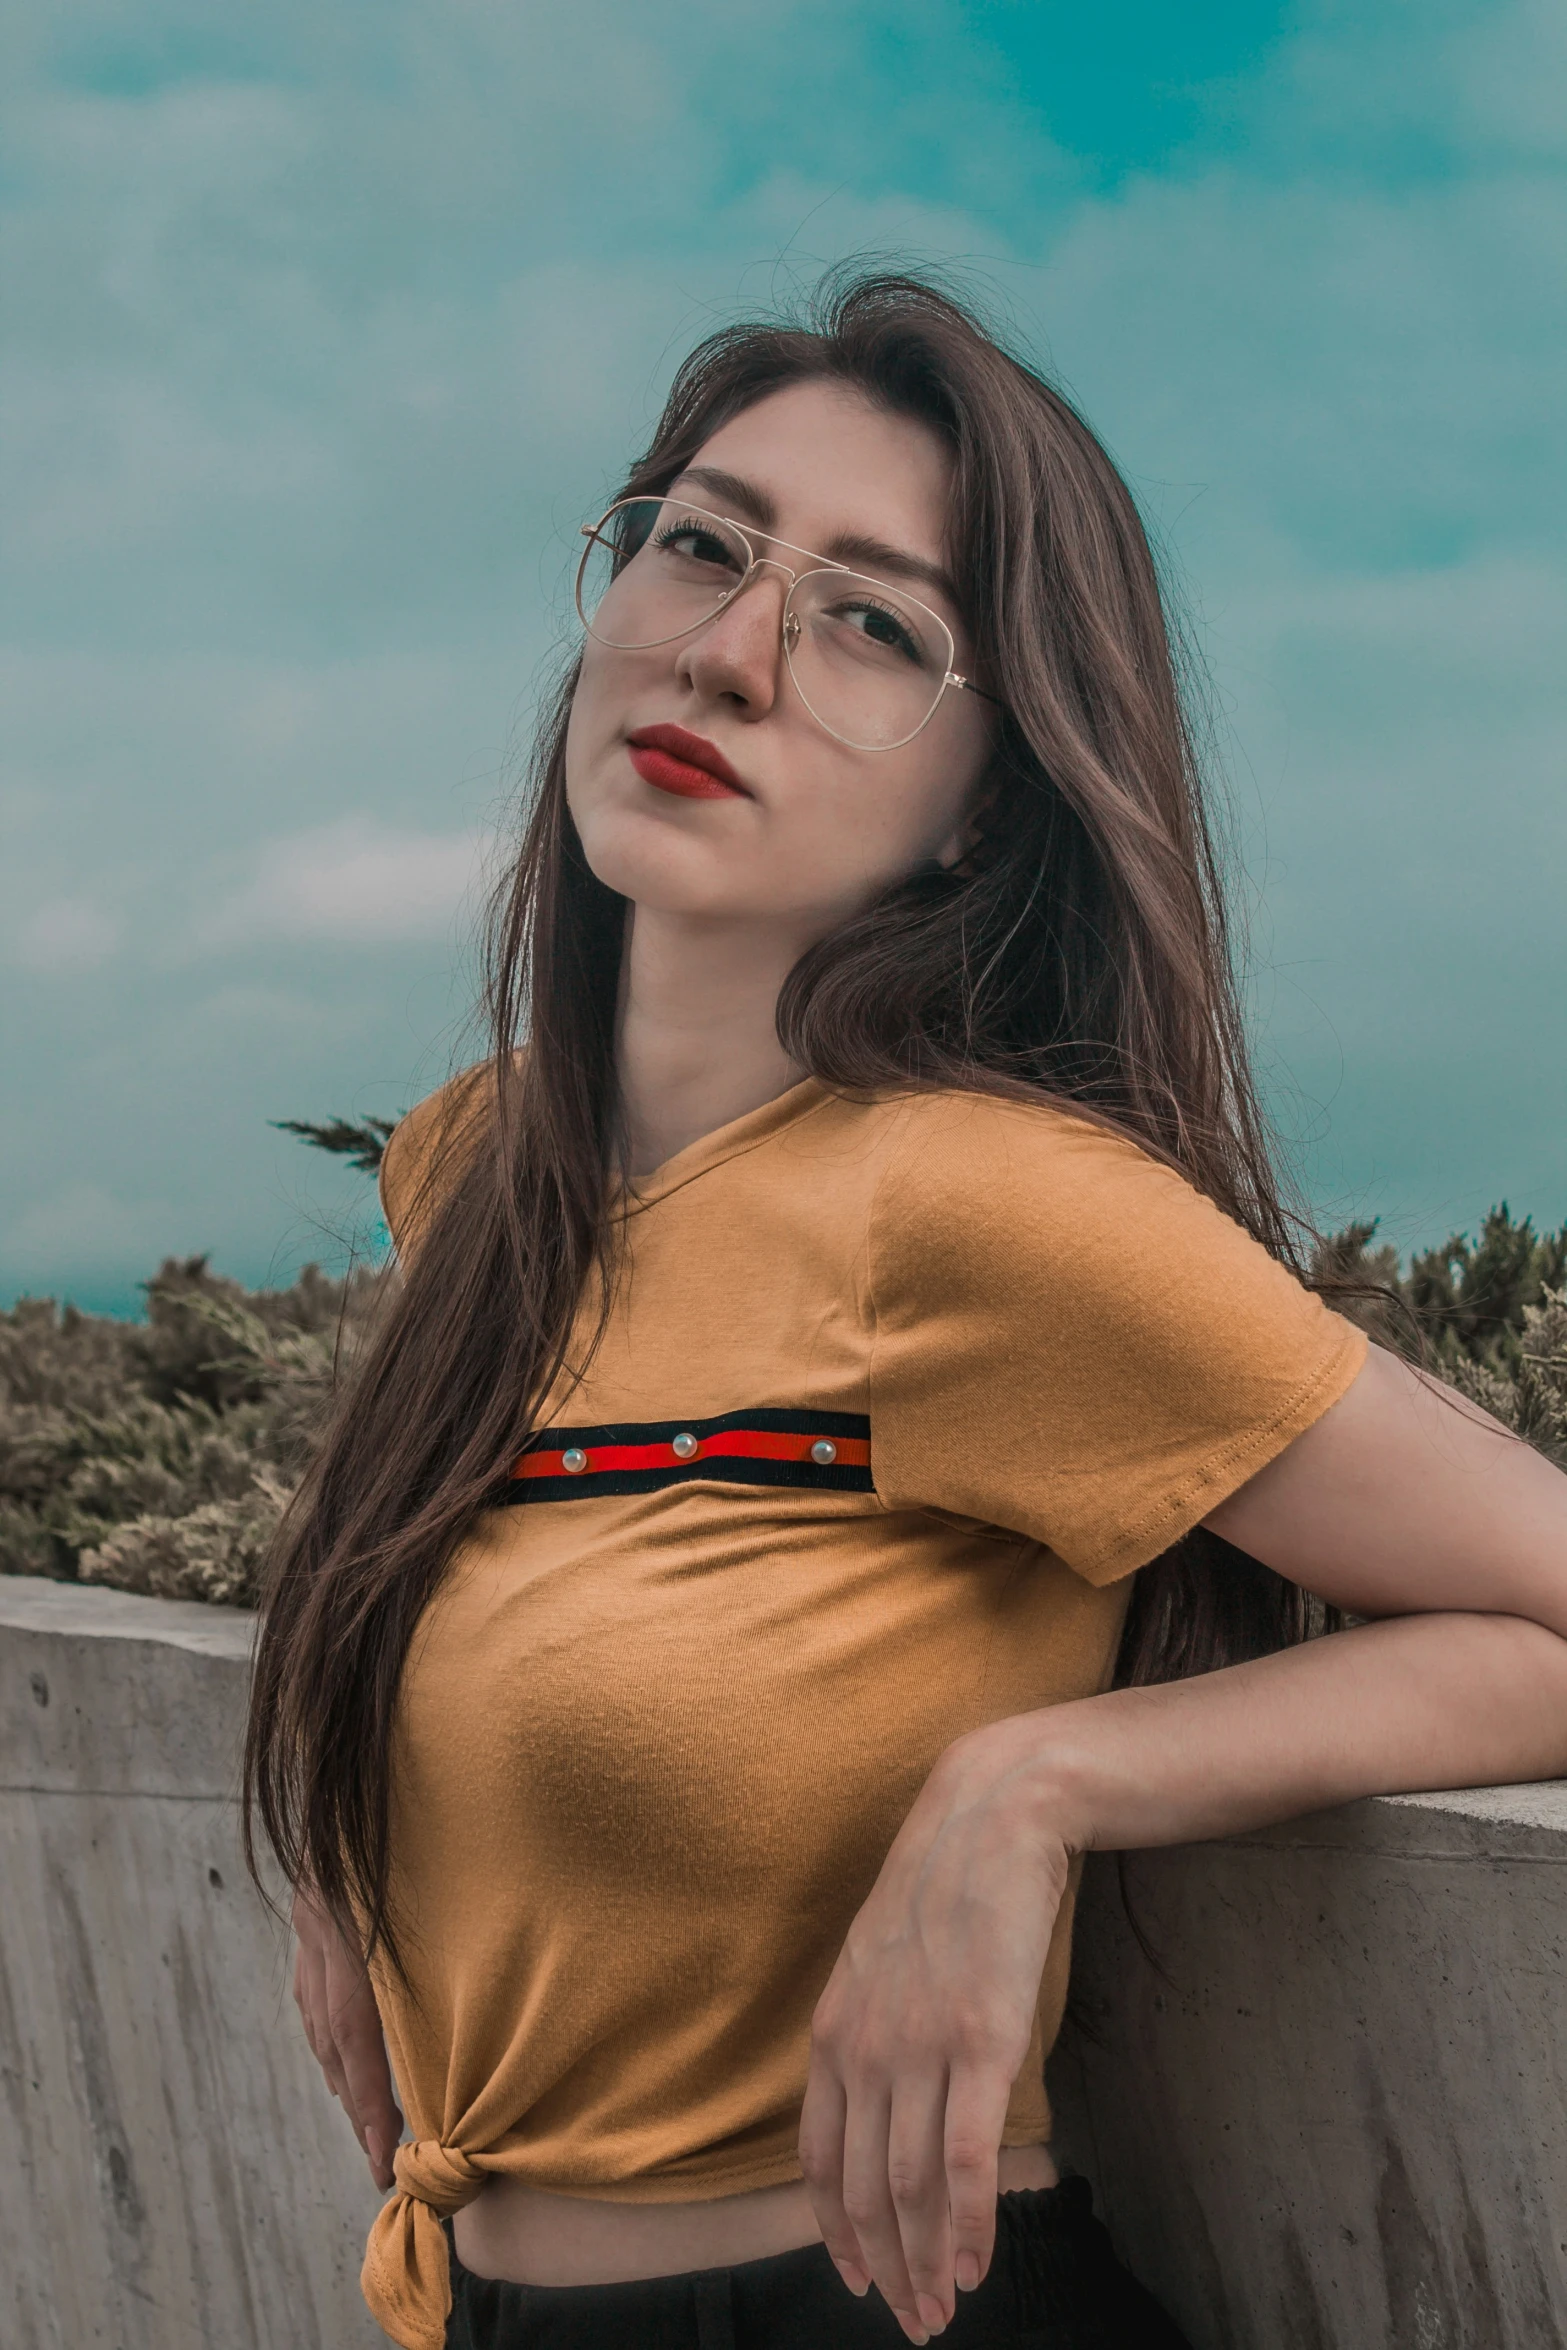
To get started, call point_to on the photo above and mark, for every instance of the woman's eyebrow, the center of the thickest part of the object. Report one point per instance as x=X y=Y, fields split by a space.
x=870 y=554
x=752 y=504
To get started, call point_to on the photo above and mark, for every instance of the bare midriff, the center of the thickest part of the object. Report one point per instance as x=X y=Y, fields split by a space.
x=530 y=2238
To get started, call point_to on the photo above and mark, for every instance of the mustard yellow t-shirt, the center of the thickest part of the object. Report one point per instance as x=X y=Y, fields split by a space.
x=892 y=1399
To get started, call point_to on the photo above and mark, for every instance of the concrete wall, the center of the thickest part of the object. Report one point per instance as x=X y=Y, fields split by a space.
x=1334 y=2122
x=173 y=2176
x=1338 y=2119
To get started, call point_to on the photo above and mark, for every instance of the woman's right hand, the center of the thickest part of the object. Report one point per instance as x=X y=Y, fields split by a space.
x=343 y=2025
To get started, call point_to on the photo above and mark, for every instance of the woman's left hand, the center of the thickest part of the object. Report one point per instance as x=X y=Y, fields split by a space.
x=923 y=2028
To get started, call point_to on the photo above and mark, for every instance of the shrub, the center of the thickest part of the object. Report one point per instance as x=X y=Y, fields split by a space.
x=158 y=1455
x=1489 y=1315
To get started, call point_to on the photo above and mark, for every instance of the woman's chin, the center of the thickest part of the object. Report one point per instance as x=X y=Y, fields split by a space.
x=674 y=876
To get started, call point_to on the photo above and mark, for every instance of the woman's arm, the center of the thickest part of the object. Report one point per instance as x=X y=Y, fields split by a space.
x=1404 y=1497
x=1400 y=1502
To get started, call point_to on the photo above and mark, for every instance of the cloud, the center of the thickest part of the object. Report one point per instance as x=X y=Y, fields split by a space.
x=355 y=881
x=66 y=935
x=82 y=1224
x=1470 y=85
x=325 y=329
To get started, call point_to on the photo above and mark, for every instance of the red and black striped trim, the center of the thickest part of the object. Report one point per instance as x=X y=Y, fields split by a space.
x=737 y=1448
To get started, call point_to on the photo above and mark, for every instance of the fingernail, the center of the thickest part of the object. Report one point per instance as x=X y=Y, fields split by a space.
x=855 y=2278
x=912 y=2327
x=966 y=2271
x=932 y=2314
x=375 y=2149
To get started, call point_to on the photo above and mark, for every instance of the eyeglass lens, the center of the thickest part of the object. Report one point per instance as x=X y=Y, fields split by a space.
x=868 y=663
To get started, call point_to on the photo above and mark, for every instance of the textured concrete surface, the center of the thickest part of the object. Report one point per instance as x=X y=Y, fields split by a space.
x=1336 y=2120
x=172 y=2172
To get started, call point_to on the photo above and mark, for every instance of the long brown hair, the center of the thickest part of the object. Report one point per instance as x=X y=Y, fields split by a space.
x=1079 y=954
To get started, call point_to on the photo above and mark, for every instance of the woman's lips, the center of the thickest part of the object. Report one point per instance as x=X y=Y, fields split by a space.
x=674 y=761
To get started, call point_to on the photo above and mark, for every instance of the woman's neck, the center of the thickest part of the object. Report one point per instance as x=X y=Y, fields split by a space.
x=697 y=1043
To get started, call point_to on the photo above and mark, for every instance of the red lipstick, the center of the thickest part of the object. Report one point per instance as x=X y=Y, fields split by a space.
x=686 y=764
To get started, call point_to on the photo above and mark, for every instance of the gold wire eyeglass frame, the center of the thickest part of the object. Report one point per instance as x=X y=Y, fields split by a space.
x=789 y=619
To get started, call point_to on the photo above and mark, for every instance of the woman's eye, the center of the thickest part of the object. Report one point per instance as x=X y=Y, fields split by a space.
x=882 y=627
x=688 y=538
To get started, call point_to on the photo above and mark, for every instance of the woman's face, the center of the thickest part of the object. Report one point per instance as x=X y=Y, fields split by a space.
x=814 y=830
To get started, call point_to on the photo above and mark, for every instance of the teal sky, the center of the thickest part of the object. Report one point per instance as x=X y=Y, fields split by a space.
x=325 y=324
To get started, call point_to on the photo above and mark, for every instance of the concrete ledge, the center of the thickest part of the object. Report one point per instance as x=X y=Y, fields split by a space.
x=1337 y=2120
x=173 y=2173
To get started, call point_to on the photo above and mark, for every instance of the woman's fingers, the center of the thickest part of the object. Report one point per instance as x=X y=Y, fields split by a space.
x=360 y=2050
x=343 y=2025
x=874 y=2153
x=868 y=2201
x=975 y=2118
x=917 y=2183
x=310 y=1930
x=310 y=1997
x=903 y=2178
x=821 y=2161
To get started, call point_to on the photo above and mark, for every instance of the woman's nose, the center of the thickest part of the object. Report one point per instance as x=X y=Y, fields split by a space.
x=735 y=655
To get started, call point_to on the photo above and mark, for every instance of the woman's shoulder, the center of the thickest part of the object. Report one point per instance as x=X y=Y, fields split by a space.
x=950 y=1143
x=1002 y=1190
x=424 y=1149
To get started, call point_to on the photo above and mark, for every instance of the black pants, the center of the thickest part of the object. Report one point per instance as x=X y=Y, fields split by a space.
x=1054 y=2284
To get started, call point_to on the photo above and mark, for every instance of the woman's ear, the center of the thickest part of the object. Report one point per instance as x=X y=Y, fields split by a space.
x=958 y=845
x=968 y=833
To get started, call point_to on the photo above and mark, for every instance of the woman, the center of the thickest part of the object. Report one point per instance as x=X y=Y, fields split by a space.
x=862 y=1316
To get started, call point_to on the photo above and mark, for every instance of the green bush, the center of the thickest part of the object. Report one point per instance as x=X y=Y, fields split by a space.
x=1489 y=1315
x=158 y=1455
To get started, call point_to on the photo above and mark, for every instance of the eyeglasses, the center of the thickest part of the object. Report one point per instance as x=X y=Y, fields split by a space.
x=869 y=662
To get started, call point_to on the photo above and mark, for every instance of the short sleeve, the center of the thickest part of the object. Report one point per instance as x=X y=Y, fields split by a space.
x=424 y=1152
x=1072 y=1342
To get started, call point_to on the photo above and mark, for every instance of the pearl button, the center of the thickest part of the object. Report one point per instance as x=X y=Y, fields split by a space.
x=574 y=1461
x=823 y=1453
x=683 y=1446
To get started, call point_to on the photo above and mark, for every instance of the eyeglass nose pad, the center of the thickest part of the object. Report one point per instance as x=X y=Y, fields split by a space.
x=792 y=630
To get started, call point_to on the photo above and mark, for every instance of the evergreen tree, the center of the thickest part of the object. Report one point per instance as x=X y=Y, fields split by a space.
x=360 y=1142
